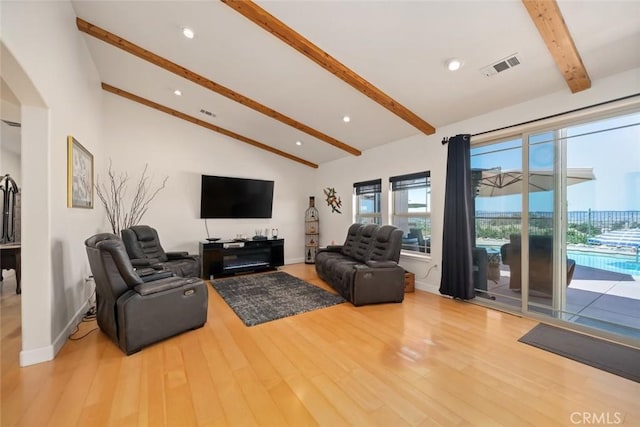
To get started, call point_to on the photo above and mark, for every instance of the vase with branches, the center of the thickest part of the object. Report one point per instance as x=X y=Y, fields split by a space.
x=113 y=195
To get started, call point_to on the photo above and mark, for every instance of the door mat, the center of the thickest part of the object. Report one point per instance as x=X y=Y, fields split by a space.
x=611 y=357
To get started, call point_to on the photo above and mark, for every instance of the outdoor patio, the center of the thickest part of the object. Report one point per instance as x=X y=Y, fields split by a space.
x=595 y=297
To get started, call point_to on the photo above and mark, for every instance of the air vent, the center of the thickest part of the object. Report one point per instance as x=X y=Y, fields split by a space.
x=12 y=124
x=207 y=112
x=500 y=66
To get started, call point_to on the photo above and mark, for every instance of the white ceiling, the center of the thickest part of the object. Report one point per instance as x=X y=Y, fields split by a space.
x=398 y=46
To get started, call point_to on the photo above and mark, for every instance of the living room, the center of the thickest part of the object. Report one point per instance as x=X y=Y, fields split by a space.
x=51 y=71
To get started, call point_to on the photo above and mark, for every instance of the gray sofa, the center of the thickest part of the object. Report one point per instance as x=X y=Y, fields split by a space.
x=365 y=270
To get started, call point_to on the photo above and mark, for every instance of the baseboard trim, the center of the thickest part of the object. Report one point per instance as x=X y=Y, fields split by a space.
x=47 y=353
x=429 y=287
x=37 y=355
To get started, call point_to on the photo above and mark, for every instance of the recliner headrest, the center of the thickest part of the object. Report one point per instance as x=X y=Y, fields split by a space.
x=93 y=241
x=144 y=233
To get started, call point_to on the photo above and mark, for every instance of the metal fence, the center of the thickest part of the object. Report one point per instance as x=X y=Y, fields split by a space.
x=580 y=224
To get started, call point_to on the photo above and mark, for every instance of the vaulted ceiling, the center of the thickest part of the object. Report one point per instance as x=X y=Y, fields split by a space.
x=272 y=73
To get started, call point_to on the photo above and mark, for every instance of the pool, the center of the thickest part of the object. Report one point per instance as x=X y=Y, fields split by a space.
x=618 y=263
x=625 y=264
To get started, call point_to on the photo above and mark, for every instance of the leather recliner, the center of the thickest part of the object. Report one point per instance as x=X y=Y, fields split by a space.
x=135 y=313
x=144 y=249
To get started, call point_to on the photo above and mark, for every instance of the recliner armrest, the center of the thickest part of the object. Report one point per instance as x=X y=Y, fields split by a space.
x=144 y=262
x=177 y=255
x=382 y=264
x=164 y=285
x=331 y=248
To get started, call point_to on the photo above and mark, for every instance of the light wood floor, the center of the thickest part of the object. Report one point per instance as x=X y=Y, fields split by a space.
x=428 y=361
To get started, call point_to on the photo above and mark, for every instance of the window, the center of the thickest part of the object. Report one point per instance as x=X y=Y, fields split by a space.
x=367 y=198
x=411 y=212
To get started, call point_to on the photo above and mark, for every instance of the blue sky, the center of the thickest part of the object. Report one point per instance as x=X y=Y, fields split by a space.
x=614 y=156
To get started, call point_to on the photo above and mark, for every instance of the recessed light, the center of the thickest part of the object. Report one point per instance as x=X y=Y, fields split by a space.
x=346 y=119
x=188 y=32
x=298 y=143
x=454 y=64
x=177 y=92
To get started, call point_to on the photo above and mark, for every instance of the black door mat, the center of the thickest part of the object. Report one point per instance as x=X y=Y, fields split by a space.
x=611 y=357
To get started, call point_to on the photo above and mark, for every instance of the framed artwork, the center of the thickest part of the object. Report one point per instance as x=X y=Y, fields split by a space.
x=79 y=175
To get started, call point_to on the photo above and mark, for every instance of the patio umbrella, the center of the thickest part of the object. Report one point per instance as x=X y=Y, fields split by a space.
x=496 y=182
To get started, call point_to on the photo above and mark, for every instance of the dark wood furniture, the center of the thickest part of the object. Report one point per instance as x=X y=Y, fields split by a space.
x=10 y=260
x=229 y=257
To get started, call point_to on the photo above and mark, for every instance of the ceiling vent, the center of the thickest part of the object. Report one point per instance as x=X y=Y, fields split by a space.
x=500 y=66
x=207 y=112
x=12 y=124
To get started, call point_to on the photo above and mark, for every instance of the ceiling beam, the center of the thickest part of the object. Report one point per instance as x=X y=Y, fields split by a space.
x=268 y=22
x=164 y=63
x=548 y=19
x=204 y=124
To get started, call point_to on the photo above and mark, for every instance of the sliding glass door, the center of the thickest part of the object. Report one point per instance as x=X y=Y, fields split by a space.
x=558 y=223
x=497 y=181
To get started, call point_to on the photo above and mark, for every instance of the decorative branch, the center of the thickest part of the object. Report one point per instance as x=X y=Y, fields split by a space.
x=113 y=195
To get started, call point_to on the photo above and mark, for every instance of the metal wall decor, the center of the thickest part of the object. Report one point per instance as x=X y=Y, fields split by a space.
x=333 y=199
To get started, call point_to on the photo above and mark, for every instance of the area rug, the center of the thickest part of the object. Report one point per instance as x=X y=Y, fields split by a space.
x=259 y=298
x=611 y=357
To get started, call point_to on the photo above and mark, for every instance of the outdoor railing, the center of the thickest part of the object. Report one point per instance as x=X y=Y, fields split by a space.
x=581 y=225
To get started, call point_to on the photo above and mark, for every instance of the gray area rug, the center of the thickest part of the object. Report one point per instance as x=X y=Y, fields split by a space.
x=259 y=298
x=611 y=357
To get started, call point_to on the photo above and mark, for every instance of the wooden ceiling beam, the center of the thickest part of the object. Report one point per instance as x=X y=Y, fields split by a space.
x=268 y=22
x=204 y=124
x=548 y=19
x=164 y=63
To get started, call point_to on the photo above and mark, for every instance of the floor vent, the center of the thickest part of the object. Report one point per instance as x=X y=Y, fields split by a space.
x=500 y=66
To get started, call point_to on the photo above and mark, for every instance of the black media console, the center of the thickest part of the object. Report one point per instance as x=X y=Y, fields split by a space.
x=229 y=257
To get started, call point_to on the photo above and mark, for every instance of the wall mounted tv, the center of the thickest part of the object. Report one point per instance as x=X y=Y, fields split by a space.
x=226 y=197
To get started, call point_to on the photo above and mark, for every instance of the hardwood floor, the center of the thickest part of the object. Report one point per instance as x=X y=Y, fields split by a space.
x=428 y=361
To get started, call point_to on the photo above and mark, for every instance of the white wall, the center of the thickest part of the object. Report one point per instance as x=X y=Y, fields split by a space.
x=53 y=59
x=423 y=152
x=135 y=135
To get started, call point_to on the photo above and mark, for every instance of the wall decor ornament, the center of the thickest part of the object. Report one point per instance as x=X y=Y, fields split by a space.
x=79 y=175
x=333 y=199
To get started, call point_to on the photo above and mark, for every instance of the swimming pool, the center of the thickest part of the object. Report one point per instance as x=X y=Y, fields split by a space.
x=618 y=263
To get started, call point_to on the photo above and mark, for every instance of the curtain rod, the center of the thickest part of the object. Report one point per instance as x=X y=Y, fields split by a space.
x=446 y=140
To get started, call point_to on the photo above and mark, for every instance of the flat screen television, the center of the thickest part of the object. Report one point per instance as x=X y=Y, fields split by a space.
x=226 y=197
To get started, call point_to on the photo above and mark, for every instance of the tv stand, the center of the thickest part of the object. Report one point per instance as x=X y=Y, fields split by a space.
x=229 y=257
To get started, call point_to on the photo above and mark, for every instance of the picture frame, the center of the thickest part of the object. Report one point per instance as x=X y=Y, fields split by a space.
x=79 y=175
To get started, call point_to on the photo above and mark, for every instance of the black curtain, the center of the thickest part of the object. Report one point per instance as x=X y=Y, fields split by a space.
x=458 y=227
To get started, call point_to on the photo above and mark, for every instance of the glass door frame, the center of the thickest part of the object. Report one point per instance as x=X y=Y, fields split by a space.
x=559 y=222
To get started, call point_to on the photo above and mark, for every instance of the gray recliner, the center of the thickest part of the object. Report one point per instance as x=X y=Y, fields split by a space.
x=135 y=313
x=144 y=249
